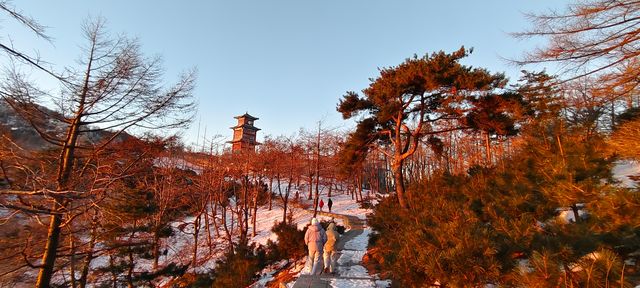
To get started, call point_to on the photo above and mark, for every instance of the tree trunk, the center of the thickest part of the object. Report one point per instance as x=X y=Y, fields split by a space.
x=114 y=275
x=310 y=196
x=233 y=221
x=255 y=210
x=270 y=192
x=72 y=258
x=576 y=213
x=4 y=174
x=352 y=190
x=131 y=262
x=92 y=243
x=65 y=165
x=207 y=227
x=51 y=249
x=226 y=228
x=359 y=190
x=285 y=203
x=245 y=211
x=196 y=232
x=285 y=200
x=156 y=250
x=399 y=181
x=214 y=213
x=317 y=173
x=487 y=143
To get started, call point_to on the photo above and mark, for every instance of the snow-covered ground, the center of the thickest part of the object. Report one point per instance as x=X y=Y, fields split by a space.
x=353 y=252
x=342 y=204
x=622 y=170
x=351 y=273
x=180 y=245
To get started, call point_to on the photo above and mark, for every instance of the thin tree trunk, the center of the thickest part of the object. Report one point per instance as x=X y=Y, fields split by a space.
x=285 y=200
x=270 y=192
x=310 y=196
x=4 y=174
x=51 y=249
x=352 y=190
x=245 y=210
x=114 y=275
x=359 y=191
x=226 y=228
x=207 y=227
x=576 y=213
x=317 y=172
x=72 y=258
x=156 y=250
x=92 y=243
x=233 y=219
x=131 y=262
x=564 y=162
x=255 y=210
x=214 y=213
x=487 y=143
x=196 y=233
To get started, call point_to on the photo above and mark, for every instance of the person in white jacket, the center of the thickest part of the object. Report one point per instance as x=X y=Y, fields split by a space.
x=314 y=238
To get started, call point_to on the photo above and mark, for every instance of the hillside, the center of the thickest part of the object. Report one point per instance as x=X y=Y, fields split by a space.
x=25 y=135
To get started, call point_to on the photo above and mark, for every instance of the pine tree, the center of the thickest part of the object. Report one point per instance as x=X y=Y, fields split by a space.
x=407 y=103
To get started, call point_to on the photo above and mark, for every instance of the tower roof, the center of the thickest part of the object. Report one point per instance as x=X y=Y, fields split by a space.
x=247 y=116
x=246 y=126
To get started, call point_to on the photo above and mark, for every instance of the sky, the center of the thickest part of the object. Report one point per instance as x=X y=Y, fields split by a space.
x=287 y=62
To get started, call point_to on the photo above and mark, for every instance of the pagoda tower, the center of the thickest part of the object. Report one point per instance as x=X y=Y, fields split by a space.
x=244 y=134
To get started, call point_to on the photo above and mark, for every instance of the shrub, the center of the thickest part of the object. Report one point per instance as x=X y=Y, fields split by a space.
x=240 y=267
x=366 y=204
x=497 y=224
x=290 y=244
x=192 y=280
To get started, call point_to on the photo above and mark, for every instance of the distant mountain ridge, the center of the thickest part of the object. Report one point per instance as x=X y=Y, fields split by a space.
x=23 y=133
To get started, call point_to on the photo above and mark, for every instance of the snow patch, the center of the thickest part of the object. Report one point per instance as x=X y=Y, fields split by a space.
x=359 y=242
x=623 y=170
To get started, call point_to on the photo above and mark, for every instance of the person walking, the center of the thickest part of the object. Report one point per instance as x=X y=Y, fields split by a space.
x=330 y=248
x=329 y=204
x=321 y=204
x=315 y=238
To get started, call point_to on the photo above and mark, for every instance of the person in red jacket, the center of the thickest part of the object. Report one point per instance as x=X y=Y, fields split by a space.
x=321 y=204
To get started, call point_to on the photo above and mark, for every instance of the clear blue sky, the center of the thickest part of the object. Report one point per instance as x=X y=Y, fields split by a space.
x=287 y=62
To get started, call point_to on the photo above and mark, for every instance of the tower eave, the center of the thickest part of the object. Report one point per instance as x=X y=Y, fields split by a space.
x=246 y=115
x=245 y=126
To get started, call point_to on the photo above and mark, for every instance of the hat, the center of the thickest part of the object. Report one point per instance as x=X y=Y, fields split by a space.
x=314 y=221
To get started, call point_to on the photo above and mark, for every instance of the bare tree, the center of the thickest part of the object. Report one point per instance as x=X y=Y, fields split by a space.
x=36 y=28
x=289 y=163
x=597 y=38
x=116 y=89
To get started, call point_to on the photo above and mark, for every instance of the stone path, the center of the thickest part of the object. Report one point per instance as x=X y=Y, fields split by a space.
x=345 y=264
